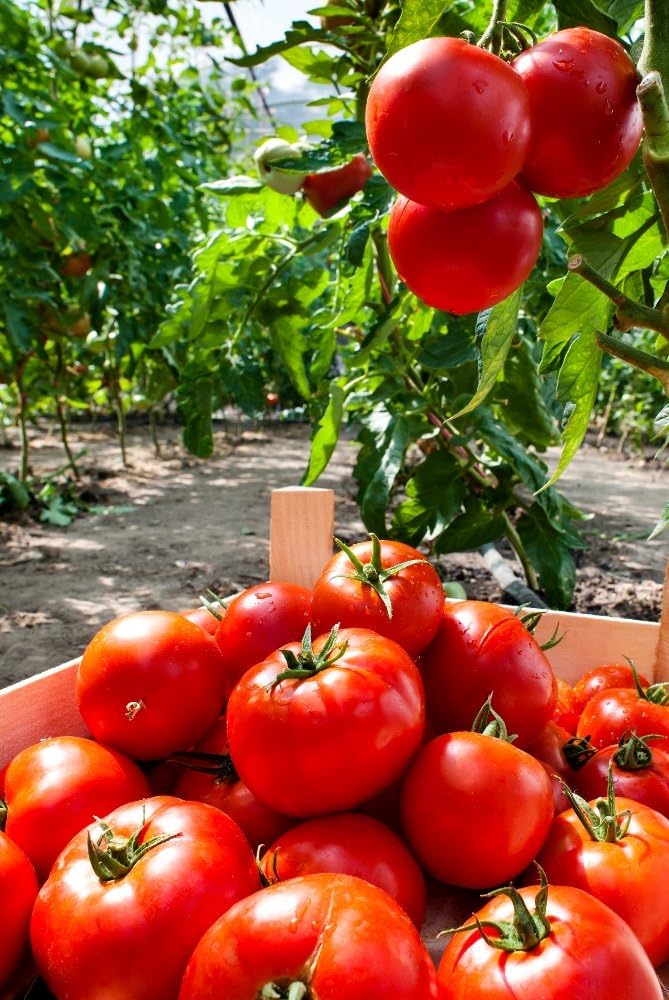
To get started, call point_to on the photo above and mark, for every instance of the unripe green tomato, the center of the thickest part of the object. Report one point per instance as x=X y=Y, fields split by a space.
x=272 y=151
x=82 y=145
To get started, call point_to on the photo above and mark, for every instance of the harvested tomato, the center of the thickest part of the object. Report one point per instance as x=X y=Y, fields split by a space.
x=328 y=190
x=322 y=728
x=612 y=713
x=333 y=935
x=604 y=678
x=566 y=945
x=469 y=259
x=350 y=844
x=150 y=683
x=482 y=648
x=18 y=890
x=58 y=786
x=549 y=749
x=204 y=618
x=567 y=709
x=448 y=123
x=640 y=772
x=384 y=586
x=586 y=120
x=257 y=622
x=207 y=774
x=123 y=925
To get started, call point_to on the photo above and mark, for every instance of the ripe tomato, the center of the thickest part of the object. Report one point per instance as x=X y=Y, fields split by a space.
x=18 y=890
x=327 y=190
x=639 y=772
x=609 y=675
x=339 y=728
x=129 y=937
x=448 y=124
x=586 y=121
x=469 y=259
x=548 y=748
x=56 y=787
x=475 y=809
x=585 y=950
x=257 y=622
x=624 y=871
x=204 y=618
x=75 y=265
x=612 y=713
x=567 y=711
x=343 y=938
x=150 y=683
x=350 y=844
x=361 y=590
x=482 y=648
x=218 y=784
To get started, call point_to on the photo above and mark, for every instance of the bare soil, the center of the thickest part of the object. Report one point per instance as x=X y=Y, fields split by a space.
x=194 y=525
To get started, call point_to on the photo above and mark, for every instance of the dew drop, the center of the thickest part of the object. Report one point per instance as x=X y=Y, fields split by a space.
x=601 y=87
x=508 y=135
x=564 y=65
x=480 y=86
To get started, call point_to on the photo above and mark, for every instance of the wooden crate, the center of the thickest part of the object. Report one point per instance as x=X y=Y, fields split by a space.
x=301 y=532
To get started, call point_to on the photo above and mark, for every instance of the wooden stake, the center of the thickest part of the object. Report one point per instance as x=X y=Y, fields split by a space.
x=301 y=530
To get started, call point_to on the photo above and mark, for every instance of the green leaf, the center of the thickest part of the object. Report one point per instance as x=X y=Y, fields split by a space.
x=356 y=244
x=498 y=328
x=14 y=488
x=56 y=153
x=325 y=438
x=476 y=526
x=347 y=139
x=574 y=13
x=19 y=326
x=434 y=497
x=549 y=551
x=626 y=12
x=578 y=308
x=419 y=19
x=291 y=345
x=662 y=524
x=577 y=388
x=385 y=437
x=241 y=184
x=449 y=348
x=298 y=34
x=194 y=400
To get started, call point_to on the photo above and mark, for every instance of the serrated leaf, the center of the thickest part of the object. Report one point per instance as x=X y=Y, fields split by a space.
x=325 y=438
x=476 y=526
x=578 y=308
x=240 y=184
x=550 y=553
x=434 y=496
x=498 y=326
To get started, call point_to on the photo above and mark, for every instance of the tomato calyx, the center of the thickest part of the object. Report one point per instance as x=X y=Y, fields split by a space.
x=657 y=694
x=633 y=753
x=603 y=823
x=214 y=604
x=219 y=765
x=494 y=727
x=3 y=814
x=530 y=622
x=526 y=930
x=267 y=880
x=308 y=663
x=503 y=38
x=113 y=857
x=296 y=990
x=577 y=751
x=373 y=573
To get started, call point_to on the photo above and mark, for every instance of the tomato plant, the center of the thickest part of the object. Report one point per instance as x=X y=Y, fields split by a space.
x=160 y=871
x=320 y=931
x=301 y=723
x=18 y=889
x=150 y=683
x=350 y=844
x=56 y=787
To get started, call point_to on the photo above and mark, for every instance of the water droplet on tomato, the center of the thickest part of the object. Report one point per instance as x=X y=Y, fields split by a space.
x=601 y=87
x=564 y=65
x=508 y=135
x=608 y=107
x=480 y=86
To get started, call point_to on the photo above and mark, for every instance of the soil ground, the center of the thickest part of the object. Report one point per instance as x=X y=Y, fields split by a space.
x=189 y=525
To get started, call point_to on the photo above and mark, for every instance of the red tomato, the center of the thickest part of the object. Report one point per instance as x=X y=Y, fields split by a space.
x=448 y=124
x=625 y=874
x=586 y=121
x=219 y=786
x=204 y=618
x=327 y=741
x=560 y=800
x=548 y=748
x=150 y=683
x=258 y=621
x=75 y=265
x=588 y=952
x=328 y=190
x=610 y=675
x=639 y=773
x=612 y=713
x=129 y=938
x=18 y=890
x=350 y=844
x=341 y=937
x=469 y=259
x=567 y=711
x=481 y=648
x=58 y=786
x=349 y=594
x=475 y=809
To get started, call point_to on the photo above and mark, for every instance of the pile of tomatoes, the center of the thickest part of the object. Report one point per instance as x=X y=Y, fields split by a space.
x=271 y=785
x=466 y=138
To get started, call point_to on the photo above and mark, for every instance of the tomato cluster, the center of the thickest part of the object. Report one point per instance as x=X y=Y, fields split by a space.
x=465 y=138
x=356 y=737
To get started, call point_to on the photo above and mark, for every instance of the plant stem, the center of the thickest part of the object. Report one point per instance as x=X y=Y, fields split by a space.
x=25 y=441
x=652 y=95
x=252 y=73
x=655 y=52
x=154 y=431
x=639 y=359
x=519 y=549
x=62 y=423
x=492 y=36
x=628 y=313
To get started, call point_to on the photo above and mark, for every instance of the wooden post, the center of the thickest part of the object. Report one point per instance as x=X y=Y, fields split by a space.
x=661 y=671
x=301 y=529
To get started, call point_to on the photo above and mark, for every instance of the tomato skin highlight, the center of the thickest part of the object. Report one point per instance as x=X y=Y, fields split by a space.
x=329 y=742
x=18 y=891
x=415 y=595
x=350 y=844
x=130 y=939
x=482 y=648
x=56 y=787
x=328 y=190
x=345 y=939
x=150 y=683
x=475 y=809
x=448 y=124
x=469 y=259
x=586 y=120
x=626 y=875
x=591 y=953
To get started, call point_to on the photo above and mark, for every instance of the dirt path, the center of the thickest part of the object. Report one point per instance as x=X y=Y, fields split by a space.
x=196 y=524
